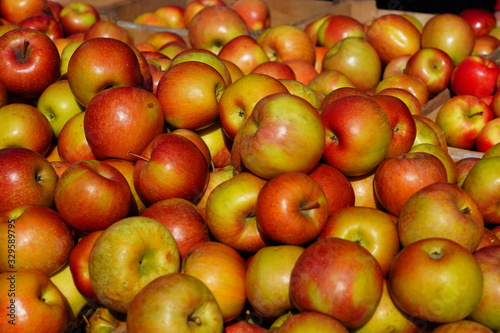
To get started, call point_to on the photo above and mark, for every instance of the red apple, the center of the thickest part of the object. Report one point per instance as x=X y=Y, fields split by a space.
x=339 y=93
x=407 y=97
x=109 y=29
x=485 y=45
x=244 y=52
x=328 y=263
x=255 y=13
x=15 y=11
x=182 y=219
x=275 y=69
x=193 y=7
x=160 y=38
x=26 y=178
x=72 y=143
x=45 y=23
x=488 y=136
x=475 y=75
x=329 y=80
x=303 y=70
x=408 y=82
x=334 y=28
x=196 y=138
x=29 y=62
x=481 y=20
x=77 y=17
x=445 y=157
x=463 y=166
x=396 y=65
x=172 y=16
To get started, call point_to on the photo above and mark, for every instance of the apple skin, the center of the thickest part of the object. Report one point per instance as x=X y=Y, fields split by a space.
x=243 y=326
x=461 y=118
x=310 y=322
x=23 y=125
x=223 y=270
x=485 y=312
x=171 y=166
x=79 y=264
x=35 y=297
x=488 y=136
x=371 y=228
x=255 y=13
x=172 y=15
x=272 y=142
x=86 y=209
x=43 y=237
x=441 y=210
x=336 y=186
x=196 y=138
x=122 y=120
x=475 y=75
x=117 y=278
x=339 y=93
x=450 y=33
x=213 y=26
x=463 y=325
x=481 y=20
x=230 y=213
x=392 y=35
x=102 y=63
x=334 y=28
x=26 y=177
x=275 y=69
x=268 y=279
x=72 y=144
x=16 y=11
x=312 y=282
x=439 y=264
x=351 y=145
x=58 y=104
x=239 y=98
x=482 y=184
x=358 y=59
x=329 y=80
x=398 y=177
x=176 y=87
x=433 y=66
x=444 y=157
x=485 y=45
x=295 y=87
x=183 y=302
x=429 y=132
x=182 y=219
x=463 y=167
x=109 y=29
x=244 y=52
x=77 y=17
x=303 y=70
x=407 y=97
x=286 y=41
x=408 y=82
x=217 y=143
x=396 y=65
x=493 y=151
x=292 y=208
x=29 y=62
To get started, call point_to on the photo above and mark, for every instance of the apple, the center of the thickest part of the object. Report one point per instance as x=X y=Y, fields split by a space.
x=303 y=70
x=45 y=23
x=429 y=132
x=29 y=62
x=91 y=195
x=239 y=326
x=310 y=322
x=193 y=7
x=334 y=28
x=273 y=142
x=489 y=238
x=230 y=213
x=475 y=75
x=312 y=27
x=352 y=145
x=485 y=45
x=463 y=325
x=214 y=26
x=58 y=105
x=255 y=13
x=392 y=35
x=451 y=33
x=72 y=143
x=15 y=11
x=481 y=20
x=183 y=302
x=102 y=319
x=407 y=97
x=300 y=89
x=488 y=136
x=66 y=54
x=222 y=269
x=398 y=177
x=482 y=184
x=150 y=18
x=267 y=280
x=182 y=219
x=363 y=191
x=99 y=64
x=157 y=67
x=408 y=82
x=26 y=177
x=28 y=297
x=404 y=129
x=109 y=29
x=320 y=55
x=196 y=138
x=240 y=97
x=171 y=166
x=78 y=263
x=444 y=157
x=77 y=17
x=461 y=118
x=244 y=52
x=292 y=208
x=328 y=263
x=396 y=65
x=42 y=236
x=463 y=166
x=441 y=210
x=329 y=80
x=493 y=151
x=485 y=312
x=339 y=93
x=218 y=144
x=172 y=16
x=286 y=41
x=452 y=276
x=23 y=125
x=275 y=69
x=234 y=71
x=150 y=251
x=358 y=59
x=176 y=88
x=159 y=38
x=121 y=120
x=433 y=66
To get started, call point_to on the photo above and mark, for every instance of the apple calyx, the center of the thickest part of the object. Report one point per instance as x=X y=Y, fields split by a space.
x=436 y=254
x=138 y=156
x=196 y=320
x=480 y=113
x=466 y=210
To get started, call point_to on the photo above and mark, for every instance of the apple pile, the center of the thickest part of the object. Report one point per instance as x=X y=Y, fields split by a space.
x=288 y=182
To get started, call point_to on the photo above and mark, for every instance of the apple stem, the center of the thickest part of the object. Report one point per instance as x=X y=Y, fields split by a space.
x=197 y=320
x=106 y=321
x=480 y=113
x=25 y=49
x=138 y=156
x=466 y=210
x=311 y=206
